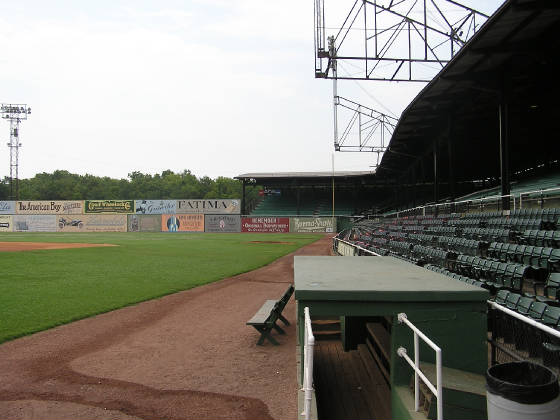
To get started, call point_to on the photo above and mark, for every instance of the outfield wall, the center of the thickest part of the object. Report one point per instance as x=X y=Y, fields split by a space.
x=204 y=215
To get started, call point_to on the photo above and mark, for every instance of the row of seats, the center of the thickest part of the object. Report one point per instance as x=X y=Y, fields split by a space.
x=462 y=245
x=517 y=223
x=550 y=238
x=456 y=276
x=547 y=291
x=444 y=230
x=537 y=256
x=520 y=223
x=544 y=257
x=494 y=274
x=423 y=238
x=550 y=290
x=547 y=213
x=523 y=336
x=422 y=255
x=482 y=215
x=489 y=235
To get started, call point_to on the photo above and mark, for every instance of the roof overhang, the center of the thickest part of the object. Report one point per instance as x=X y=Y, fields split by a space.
x=514 y=58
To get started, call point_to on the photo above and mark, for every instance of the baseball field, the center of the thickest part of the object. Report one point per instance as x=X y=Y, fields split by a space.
x=186 y=355
x=43 y=287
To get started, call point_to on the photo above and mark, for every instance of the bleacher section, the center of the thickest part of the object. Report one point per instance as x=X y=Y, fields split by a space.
x=276 y=205
x=287 y=205
x=516 y=257
x=541 y=183
x=518 y=252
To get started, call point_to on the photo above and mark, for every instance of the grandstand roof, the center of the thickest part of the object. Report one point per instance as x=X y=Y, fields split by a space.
x=299 y=175
x=515 y=54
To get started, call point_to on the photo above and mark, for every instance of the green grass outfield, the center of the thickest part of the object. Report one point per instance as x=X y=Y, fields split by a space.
x=42 y=289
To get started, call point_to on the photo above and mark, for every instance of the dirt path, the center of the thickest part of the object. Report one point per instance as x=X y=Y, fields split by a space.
x=187 y=355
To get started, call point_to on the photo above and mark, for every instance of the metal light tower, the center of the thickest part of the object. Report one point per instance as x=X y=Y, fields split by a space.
x=15 y=113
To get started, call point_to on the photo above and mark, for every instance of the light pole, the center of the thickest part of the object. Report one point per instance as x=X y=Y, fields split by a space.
x=15 y=113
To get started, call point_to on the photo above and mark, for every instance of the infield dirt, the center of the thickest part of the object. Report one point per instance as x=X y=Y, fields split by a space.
x=185 y=356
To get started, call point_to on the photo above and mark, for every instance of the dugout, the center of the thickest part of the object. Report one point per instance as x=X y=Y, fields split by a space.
x=368 y=294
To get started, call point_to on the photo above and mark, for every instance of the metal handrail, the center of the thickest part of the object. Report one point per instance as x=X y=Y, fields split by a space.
x=357 y=247
x=535 y=192
x=525 y=319
x=309 y=343
x=474 y=200
x=437 y=390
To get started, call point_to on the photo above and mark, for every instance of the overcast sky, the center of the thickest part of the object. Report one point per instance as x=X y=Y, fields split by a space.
x=220 y=87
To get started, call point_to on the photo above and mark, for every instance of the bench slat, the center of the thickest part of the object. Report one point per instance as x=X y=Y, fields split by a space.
x=263 y=313
x=267 y=315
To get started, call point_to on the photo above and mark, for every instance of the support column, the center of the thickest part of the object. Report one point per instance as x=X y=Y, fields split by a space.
x=356 y=187
x=436 y=179
x=451 y=159
x=243 y=202
x=413 y=185
x=298 y=198
x=503 y=115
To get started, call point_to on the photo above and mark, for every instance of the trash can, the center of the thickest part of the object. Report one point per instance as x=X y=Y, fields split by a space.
x=522 y=391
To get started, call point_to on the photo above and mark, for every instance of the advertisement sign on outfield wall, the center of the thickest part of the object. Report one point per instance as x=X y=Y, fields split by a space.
x=213 y=206
x=312 y=224
x=109 y=206
x=182 y=223
x=6 y=223
x=155 y=206
x=217 y=223
x=34 y=223
x=49 y=207
x=7 y=207
x=91 y=223
x=265 y=224
x=144 y=223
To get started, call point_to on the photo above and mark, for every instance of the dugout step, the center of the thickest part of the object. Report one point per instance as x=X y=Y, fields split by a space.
x=326 y=328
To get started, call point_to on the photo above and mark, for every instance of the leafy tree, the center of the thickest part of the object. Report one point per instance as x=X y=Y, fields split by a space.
x=63 y=185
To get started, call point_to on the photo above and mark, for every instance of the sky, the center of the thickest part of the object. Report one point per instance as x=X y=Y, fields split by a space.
x=218 y=87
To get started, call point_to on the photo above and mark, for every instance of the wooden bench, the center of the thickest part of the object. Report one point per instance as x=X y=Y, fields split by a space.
x=270 y=312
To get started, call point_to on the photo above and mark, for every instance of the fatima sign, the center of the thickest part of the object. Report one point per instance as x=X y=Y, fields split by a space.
x=209 y=206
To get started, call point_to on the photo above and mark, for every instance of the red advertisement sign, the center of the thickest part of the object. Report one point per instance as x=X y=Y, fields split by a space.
x=265 y=224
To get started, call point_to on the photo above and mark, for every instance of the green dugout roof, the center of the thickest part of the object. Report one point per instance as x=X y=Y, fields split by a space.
x=376 y=279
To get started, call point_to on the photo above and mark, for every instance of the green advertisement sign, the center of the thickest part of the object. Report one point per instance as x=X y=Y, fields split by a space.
x=109 y=206
x=312 y=224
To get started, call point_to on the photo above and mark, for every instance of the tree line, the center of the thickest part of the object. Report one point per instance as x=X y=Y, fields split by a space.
x=63 y=185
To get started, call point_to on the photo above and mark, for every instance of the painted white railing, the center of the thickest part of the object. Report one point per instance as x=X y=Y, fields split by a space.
x=447 y=204
x=437 y=390
x=309 y=343
x=355 y=247
x=527 y=320
x=517 y=203
x=541 y=192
